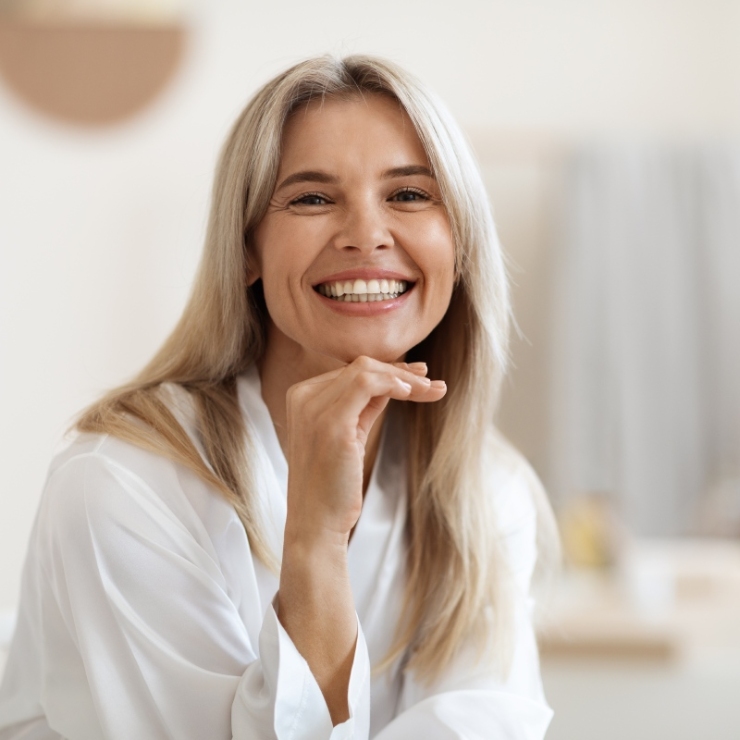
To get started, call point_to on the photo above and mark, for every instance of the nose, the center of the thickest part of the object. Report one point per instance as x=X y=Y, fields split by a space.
x=364 y=228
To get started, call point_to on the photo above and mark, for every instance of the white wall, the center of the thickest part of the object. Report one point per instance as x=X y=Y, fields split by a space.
x=100 y=232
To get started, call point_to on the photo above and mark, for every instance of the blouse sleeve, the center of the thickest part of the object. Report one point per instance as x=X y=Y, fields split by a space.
x=140 y=636
x=472 y=701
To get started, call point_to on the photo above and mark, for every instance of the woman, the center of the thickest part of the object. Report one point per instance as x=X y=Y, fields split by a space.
x=289 y=525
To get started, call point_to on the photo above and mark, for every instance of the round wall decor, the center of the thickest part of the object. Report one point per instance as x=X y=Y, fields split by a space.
x=89 y=72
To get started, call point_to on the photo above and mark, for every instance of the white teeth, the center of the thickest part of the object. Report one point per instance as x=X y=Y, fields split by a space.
x=361 y=291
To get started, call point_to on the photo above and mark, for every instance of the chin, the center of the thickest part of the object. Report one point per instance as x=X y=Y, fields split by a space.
x=378 y=351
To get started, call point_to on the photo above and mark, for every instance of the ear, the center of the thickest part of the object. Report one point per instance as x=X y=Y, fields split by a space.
x=252 y=275
x=252 y=267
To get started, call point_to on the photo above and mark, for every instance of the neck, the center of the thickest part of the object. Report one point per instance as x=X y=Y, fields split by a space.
x=285 y=363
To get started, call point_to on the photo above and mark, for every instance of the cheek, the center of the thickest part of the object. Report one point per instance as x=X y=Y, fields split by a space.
x=284 y=253
x=272 y=246
x=288 y=243
x=434 y=253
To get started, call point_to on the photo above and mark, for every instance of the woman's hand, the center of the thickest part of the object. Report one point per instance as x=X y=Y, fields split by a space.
x=330 y=418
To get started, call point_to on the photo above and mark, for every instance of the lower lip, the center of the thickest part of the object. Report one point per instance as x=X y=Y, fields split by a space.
x=375 y=308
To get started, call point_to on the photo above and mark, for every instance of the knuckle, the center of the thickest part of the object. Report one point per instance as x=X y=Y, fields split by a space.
x=365 y=381
x=297 y=395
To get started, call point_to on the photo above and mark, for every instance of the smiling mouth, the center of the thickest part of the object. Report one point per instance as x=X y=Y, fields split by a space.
x=363 y=291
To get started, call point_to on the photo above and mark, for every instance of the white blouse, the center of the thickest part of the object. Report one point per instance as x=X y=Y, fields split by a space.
x=144 y=615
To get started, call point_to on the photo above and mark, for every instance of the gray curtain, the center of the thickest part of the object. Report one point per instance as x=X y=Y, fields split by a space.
x=646 y=334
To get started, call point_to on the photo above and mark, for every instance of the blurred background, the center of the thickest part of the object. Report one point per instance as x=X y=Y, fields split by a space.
x=608 y=134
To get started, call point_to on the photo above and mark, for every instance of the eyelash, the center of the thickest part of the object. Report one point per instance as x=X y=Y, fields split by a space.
x=415 y=191
x=299 y=199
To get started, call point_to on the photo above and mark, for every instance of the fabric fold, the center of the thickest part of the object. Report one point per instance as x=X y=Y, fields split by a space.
x=145 y=614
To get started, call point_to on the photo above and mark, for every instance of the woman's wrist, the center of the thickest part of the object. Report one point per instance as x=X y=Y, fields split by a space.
x=315 y=606
x=315 y=556
x=310 y=532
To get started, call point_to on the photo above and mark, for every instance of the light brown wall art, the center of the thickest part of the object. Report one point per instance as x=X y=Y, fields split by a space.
x=88 y=71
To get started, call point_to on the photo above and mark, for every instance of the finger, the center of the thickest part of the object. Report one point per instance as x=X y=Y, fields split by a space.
x=334 y=391
x=355 y=392
x=414 y=373
x=436 y=391
x=370 y=415
x=329 y=388
x=417 y=368
x=375 y=406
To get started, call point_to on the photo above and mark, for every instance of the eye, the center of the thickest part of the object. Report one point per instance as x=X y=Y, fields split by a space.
x=310 y=199
x=409 y=195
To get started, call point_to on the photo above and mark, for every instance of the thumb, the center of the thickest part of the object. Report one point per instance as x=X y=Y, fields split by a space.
x=369 y=416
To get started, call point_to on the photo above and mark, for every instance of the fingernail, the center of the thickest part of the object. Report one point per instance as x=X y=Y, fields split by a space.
x=421 y=366
x=438 y=384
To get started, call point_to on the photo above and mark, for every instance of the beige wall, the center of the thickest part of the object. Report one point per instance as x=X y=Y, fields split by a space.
x=100 y=232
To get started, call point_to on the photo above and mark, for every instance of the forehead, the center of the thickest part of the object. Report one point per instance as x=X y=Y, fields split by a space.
x=342 y=131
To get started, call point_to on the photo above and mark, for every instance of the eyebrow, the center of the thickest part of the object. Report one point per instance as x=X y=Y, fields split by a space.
x=307 y=176
x=407 y=171
x=326 y=178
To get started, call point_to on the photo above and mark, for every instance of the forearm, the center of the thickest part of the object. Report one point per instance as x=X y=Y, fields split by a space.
x=329 y=421
x=316 y=608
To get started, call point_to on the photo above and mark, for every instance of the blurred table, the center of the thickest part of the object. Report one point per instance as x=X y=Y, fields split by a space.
x=648 y=650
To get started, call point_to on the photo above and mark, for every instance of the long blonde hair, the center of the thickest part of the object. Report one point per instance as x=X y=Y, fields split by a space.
x=454 y=573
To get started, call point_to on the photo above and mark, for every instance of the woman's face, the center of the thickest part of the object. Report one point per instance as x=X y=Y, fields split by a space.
x=355 y=252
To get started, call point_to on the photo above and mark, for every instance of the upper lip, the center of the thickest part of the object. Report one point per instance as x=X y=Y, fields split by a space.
x=364 y=273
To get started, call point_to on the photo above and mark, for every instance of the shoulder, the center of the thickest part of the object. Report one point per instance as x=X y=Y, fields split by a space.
x=519 y=503
x=89 y=460
x=512 y=483
x=116 y=492
x=99 y=478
